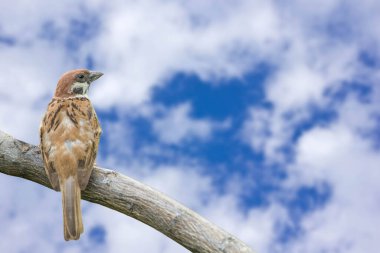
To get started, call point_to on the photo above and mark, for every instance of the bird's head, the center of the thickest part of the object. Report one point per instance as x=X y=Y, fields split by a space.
x=76 y=83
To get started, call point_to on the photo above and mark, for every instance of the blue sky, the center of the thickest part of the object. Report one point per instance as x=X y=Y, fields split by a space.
x=263 y=116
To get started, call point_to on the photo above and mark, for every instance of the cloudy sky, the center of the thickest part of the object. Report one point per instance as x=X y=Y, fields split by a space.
x=263 y=116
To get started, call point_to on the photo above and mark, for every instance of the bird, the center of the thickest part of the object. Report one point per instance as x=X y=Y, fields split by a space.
x=69 y=139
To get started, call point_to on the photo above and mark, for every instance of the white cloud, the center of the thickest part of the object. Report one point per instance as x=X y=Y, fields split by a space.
x=27 y=83
x=308 y=72
x=139 y=45
x=152 y=40
x=28 y=210
x=295 y=87
x=339 y=155
x=177 y=125
x=256 y=129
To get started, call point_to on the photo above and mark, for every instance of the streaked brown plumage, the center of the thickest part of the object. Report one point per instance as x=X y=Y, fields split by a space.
x=69 y=136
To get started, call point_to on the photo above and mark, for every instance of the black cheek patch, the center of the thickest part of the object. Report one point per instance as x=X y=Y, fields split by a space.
x=78 y=90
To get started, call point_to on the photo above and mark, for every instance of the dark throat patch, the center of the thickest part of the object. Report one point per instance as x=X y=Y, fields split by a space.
x=78 y=90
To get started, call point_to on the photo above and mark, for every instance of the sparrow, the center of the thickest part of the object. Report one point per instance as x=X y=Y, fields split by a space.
x=69 y=139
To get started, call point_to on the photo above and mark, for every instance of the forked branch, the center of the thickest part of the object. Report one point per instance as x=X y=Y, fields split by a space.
x=128 y=196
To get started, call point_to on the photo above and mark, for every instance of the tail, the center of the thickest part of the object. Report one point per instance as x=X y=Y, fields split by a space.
x=72 y=214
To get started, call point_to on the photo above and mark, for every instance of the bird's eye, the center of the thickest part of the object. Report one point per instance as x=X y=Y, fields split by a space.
x=80 y=76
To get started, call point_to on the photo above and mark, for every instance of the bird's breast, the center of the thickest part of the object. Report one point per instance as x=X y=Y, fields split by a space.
x=70 y=134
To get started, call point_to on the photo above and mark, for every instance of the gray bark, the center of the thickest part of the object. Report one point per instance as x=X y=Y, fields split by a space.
x=128 y=196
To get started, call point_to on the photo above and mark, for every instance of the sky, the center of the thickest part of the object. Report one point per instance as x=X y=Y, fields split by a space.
x=262 y=116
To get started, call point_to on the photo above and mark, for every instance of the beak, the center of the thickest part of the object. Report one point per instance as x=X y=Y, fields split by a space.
x=94 y=75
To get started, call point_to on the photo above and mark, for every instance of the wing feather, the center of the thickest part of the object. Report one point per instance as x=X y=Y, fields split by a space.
x=46 y=145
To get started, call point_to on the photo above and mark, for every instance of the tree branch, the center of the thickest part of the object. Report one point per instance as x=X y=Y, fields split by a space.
x=128 y=196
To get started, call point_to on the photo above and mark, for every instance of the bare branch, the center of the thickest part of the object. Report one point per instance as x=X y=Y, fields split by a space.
x=128 y=196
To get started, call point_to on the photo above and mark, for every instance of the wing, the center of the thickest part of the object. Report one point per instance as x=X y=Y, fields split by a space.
x=90 y=124
x=49 y=122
